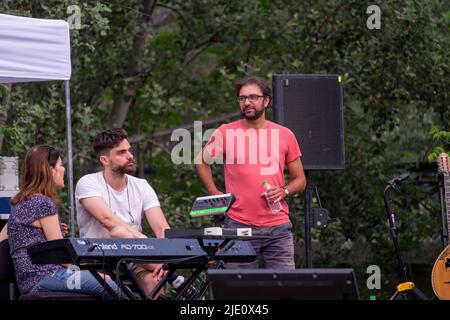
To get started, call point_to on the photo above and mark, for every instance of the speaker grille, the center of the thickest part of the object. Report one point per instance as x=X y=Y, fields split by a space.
x=311 y=106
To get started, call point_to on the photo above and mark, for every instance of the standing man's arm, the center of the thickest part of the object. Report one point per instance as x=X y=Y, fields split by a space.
x=296 y=185
x=157 y=221
x=205 y=173
x=298 y=179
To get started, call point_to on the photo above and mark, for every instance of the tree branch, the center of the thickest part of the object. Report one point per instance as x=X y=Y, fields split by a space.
x=198 y=49
x=152 y=135
x=178 y=12
x=125 y=93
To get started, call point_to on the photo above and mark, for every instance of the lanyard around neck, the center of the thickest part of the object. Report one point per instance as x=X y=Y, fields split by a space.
x=109 y=199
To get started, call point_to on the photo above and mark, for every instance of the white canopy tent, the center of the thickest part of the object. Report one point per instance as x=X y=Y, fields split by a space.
x=33 y=49
x=38 y=50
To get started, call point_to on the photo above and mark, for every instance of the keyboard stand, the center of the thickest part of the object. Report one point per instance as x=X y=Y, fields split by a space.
x=182 y=293
x=104 y=284
x=171 y=268
x=125 y=289
x=211 y=251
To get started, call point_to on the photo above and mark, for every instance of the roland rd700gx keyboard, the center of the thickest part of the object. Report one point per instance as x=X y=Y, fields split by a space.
x=108 y=251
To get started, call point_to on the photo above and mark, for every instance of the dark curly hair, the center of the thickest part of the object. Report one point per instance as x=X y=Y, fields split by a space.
x=260 y=82
x=108 y=139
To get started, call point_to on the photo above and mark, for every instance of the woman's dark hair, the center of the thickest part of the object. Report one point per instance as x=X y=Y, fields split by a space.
x=37 y=177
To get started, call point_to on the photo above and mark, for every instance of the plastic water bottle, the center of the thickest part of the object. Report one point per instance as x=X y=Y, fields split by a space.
x=275 y=206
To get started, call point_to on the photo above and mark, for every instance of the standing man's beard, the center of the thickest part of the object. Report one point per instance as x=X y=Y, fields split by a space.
x=257 y=115
x=128 y=168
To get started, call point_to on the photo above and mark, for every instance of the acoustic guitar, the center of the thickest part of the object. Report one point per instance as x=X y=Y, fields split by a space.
x=440 y=276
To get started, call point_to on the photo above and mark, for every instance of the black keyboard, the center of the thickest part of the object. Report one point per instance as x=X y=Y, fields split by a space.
x=98 y=251
x=212 y=205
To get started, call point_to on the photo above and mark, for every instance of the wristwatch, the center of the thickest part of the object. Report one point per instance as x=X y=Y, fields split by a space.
x=286 y=191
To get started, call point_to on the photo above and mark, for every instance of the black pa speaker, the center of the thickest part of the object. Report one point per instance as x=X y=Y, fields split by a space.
x=283 y=284
x=311 y=106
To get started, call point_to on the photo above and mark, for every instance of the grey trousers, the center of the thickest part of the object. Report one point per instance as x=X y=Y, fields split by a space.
x=276 y=253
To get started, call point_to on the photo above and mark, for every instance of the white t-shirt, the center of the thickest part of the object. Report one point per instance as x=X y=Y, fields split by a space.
x=138 y=194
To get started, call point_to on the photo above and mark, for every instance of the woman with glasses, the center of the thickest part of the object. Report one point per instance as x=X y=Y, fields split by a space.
x=34 y=219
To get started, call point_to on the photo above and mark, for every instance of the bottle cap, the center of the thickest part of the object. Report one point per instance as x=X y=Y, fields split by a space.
x=264 y=182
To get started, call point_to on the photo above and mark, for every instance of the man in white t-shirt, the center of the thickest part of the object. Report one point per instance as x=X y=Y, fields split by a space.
x=110 y=203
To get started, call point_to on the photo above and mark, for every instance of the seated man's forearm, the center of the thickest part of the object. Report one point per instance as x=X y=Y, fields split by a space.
x=111 y=221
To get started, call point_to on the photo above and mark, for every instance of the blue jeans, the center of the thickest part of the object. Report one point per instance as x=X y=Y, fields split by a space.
x=68 y=280
x=276 y=252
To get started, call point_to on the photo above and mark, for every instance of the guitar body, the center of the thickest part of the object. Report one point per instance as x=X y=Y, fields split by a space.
x=440 y=276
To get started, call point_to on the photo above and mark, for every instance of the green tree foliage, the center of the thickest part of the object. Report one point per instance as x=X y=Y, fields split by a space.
x=443 y=138
x=395 y=79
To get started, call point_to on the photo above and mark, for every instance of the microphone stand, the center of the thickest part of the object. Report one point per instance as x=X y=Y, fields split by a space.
x=412 y=292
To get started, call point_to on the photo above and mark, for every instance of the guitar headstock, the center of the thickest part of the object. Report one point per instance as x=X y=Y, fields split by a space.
x=443 y=164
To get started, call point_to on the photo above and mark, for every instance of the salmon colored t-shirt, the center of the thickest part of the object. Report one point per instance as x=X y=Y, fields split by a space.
x=251 y=156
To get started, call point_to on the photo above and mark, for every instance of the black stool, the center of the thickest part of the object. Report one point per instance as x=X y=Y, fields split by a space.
x=9 y=287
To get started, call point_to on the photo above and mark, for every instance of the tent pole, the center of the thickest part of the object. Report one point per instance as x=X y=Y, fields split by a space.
x=69 y=159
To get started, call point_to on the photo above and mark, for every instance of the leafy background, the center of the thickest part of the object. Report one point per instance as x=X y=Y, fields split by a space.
x=151 y=66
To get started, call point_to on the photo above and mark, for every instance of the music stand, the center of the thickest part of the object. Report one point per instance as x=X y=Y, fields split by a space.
x=282 y=284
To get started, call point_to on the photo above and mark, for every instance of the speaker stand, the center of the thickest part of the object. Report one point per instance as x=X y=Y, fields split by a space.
x=307 y=202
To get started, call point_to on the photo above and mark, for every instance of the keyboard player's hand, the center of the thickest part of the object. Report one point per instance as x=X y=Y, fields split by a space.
x=158 y=271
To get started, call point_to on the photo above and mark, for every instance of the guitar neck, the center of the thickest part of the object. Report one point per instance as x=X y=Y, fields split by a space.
x=447 y=200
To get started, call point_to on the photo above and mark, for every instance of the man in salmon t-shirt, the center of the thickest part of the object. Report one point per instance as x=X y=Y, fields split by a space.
x=254 y=150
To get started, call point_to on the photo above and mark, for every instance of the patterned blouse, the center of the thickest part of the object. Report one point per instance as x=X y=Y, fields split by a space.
x=22 y=234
